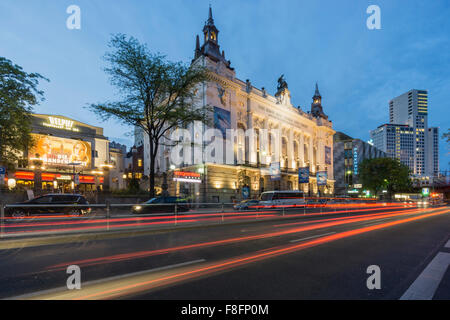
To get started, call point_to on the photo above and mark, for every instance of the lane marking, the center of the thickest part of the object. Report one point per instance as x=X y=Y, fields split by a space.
x=312 y=237
x=447 y=244
x=93 y=282
x=425 y=286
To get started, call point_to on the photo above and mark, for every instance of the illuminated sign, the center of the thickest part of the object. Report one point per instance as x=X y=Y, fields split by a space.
x=48 y=177
x=60 y=123
x=55 y=151
x=190 y=177
x=355 y=160
x=425 y=192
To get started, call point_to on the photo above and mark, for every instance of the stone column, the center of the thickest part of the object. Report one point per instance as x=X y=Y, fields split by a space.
x=311 y=152
x=290 y=151
x=250 y=137
x=301 y=150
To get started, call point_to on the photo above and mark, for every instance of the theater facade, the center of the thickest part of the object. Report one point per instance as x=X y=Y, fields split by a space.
x=67 y=156
x=298 y=157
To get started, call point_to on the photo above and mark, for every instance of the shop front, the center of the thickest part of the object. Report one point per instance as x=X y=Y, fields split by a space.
x=57 y=182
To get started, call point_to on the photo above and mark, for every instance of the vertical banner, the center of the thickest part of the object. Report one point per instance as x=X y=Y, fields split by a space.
x=245 y=192
x=303 y=175
x=275 y=171
x=222 y=120
x=322 y=178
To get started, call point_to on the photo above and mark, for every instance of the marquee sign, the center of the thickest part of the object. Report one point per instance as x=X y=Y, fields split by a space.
x=189 y=177
x=60 y=123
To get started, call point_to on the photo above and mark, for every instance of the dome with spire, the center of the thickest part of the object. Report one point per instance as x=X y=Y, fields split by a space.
x=316 y=106
x=210 y=47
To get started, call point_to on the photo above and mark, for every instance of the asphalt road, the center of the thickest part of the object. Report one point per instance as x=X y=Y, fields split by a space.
x=317 y=256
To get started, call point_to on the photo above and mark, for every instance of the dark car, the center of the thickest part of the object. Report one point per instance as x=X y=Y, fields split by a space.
x=246 y=205
x=162 y=205
x=50 y=204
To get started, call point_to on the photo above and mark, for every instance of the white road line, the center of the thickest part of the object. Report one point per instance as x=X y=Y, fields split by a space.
x=88 y=283
x=448 y=244
x=317 y=236
x=428 y=281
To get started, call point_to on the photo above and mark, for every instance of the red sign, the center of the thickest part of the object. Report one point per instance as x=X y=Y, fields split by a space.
x=49 y=177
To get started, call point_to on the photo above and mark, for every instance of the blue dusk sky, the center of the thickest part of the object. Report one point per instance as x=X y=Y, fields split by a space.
x=358 y=70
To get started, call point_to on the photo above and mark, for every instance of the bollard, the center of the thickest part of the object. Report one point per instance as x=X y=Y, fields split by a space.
x=176 y=210
x=108 y=213
x=283 y=211
x=223 y=210
x=2 y=217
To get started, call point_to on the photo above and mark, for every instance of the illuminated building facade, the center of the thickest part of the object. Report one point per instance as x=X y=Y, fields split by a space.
x=305 y=139
x=67 y=155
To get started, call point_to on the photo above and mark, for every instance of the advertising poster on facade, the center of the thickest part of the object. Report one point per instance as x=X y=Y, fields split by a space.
x=303 y=175
x=275 y=171
x=322 y=178
x=327 y=155
x=55 y=151
x=222 y=120
x=245 y=192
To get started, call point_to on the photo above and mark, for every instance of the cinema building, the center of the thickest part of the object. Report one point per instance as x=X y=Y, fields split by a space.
x=67 y=156
x=273 y=162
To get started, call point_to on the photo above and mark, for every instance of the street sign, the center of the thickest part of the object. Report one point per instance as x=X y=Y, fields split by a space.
x=2 y=170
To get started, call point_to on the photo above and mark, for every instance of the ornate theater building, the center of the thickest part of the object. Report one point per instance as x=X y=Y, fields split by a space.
x=298 y=143
x=67 y=156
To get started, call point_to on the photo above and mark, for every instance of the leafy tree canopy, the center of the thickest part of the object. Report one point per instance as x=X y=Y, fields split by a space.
x=156 y=95
x=18 y=94
x=385 y=174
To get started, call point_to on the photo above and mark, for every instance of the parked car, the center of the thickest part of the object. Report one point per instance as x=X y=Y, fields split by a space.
x=161 y=205
x=49 y=204
x=246 y=204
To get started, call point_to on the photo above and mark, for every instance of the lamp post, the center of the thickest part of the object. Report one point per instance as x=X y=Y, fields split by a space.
x=76 y=180
x=106 y=167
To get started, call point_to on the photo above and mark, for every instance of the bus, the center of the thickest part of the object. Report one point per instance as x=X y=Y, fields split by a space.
x=282 y=199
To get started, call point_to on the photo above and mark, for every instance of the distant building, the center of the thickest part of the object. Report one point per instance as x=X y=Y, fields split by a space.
x=433 y=151
x=408 y=138
x=348 y=154
x=134 y=164
x=397 y=141
x=117 y=153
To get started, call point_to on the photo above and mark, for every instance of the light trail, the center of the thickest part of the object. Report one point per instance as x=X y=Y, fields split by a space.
x=227 y=264
x=137 y=224
x=143 y=254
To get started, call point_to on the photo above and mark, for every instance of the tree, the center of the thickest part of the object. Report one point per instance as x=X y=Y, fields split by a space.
x=18 y=94
x=384 y=174
x=157 y=95
x=446 y=136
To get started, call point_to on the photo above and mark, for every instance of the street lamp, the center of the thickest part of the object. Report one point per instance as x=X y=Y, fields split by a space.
x=75 y=180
